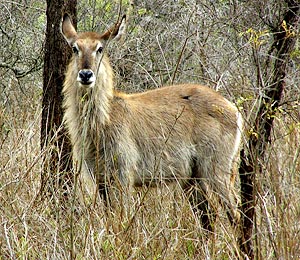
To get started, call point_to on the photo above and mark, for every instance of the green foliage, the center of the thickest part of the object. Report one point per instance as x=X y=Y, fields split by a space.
x=295 y=54
x=289 y=31
x=256 y=38
x=295 y=57
x=41 y=21
x=107 y=246
x=142 y=11
x=190 y=248
x=242 y=100
x=23 y=248
x=158 y=257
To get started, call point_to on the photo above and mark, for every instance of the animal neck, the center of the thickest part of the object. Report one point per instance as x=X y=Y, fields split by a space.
x=101 y=95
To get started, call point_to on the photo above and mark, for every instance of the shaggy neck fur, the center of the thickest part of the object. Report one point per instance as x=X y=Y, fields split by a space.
x=80 y=101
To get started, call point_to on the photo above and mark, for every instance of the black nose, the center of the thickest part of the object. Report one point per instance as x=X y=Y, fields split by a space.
x=85 y=76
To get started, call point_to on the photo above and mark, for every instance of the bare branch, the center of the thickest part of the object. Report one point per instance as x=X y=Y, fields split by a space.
x=20 y=73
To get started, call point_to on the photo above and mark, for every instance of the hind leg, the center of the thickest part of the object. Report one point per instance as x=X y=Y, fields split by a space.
x=224 y=191
x=229 y=200
x=104 y=193
x=199 y=199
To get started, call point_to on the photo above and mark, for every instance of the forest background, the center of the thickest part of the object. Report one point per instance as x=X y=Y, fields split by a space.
x=226 y=45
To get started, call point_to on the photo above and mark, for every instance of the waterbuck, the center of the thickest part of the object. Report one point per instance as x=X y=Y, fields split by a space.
x=185 y=133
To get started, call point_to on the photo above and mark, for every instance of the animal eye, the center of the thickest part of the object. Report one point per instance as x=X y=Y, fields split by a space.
x=75 y=50
x=100 y=49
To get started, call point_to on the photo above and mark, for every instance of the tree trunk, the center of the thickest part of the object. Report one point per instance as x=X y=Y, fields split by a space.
x=283 y=43
x=54 y=141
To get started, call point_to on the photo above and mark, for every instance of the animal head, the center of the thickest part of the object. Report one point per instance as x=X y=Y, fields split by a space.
x=88 y=48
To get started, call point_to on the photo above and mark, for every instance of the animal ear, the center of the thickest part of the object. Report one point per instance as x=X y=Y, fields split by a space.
x=68 y=30
x=117 y=31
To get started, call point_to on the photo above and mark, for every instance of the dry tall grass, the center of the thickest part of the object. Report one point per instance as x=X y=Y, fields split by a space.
x=155 y=223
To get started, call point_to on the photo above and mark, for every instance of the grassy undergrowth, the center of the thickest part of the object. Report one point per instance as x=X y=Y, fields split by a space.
x=158 y=225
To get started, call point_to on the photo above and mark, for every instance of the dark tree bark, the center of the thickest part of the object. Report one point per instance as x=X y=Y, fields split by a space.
x=283 y=43
x=54 y=140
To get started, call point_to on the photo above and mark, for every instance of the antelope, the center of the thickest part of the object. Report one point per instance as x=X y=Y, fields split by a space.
x=187 y=133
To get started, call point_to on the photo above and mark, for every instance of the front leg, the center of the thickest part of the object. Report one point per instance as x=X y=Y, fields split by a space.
x=95 y=183
x=103 y=192
x=87 y=178
x=113 y=185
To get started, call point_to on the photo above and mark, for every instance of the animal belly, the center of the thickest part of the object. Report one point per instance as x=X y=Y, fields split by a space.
x=161 y=172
